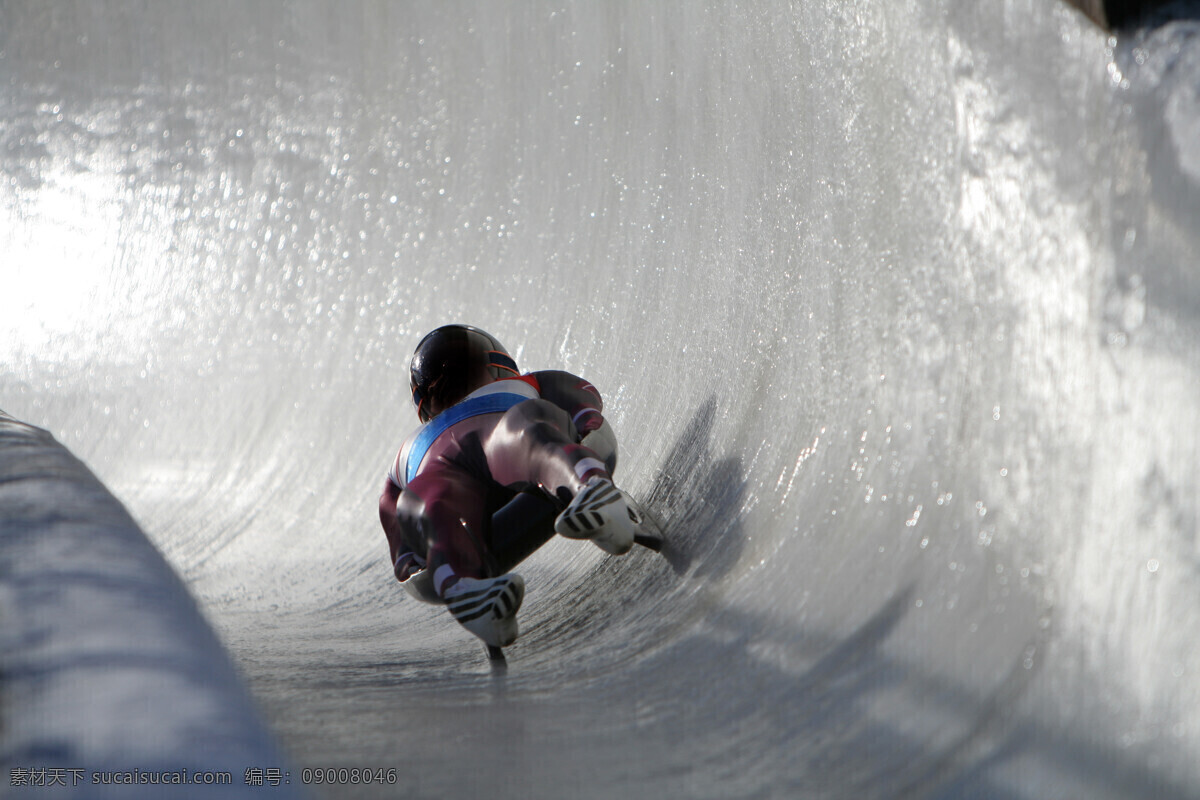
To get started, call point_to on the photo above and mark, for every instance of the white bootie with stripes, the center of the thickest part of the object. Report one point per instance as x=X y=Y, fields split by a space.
x=598 y=512
x=487 y=607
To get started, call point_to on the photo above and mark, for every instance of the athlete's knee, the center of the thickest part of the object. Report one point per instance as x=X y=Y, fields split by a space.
x=538 y=416
x=415 y=526
x=525 y=430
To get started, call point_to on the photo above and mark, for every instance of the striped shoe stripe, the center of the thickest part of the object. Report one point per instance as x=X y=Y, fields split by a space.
x=473 y=600
x=584 y=517
x=598 y=501
x=469 y=596
x=467 y=617
x=499 y=600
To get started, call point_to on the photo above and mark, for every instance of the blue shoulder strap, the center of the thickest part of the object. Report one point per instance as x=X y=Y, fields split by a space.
x=471 y=407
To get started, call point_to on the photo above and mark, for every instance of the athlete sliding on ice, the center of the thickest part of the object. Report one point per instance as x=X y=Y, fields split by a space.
x=488 y=434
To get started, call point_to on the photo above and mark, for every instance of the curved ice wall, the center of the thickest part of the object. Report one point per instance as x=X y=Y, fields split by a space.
x=891 y=303
x=113 y=685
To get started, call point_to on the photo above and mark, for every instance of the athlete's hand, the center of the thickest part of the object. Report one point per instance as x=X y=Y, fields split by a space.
x=407 y=566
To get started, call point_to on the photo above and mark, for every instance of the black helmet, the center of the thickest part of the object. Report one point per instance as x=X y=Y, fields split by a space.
x=453 y=361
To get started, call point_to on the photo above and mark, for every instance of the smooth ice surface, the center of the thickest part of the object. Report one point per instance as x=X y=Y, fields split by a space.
x=893 y=304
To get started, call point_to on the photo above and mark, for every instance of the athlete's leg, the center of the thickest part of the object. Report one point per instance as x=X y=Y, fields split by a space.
x=534 y=443
x=522 y=526
x=442 y=510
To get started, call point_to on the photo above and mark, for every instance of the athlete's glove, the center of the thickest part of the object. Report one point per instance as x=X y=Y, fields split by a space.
x=407 y=565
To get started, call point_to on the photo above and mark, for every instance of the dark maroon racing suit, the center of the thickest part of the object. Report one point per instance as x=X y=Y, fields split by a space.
x=456 y=471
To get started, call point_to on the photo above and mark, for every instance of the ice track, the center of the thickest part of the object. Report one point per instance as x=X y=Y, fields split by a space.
x=893 y=305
